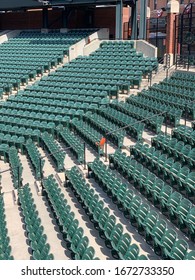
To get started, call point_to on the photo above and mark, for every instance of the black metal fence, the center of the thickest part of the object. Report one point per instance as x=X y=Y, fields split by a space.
x=156 y=33
x=185 y=33
x=185 y=61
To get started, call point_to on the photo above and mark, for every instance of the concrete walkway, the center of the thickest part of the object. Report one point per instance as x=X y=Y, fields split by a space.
x=16 y=231
x=54 y=237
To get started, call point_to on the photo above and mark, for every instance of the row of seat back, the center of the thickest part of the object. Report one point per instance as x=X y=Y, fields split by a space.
x=185 y=134
x=46 y=115
x=105 y=126
x=79 y=243
x=71 y=140
x=174 y=91
x=90 y=97
x=171 y=203
x=152 y=121
x=112 y=231
x=5 y=248
x=54 y=150
x=175 y=148
x=4 y=148
x=16 y=167
x=133 y=127
x=37 y=237
x=181 y=103
x=35 y=158
x=32 y=102
x=173 y=114
x=89 y=134
x=143 y=217
x=166 y=167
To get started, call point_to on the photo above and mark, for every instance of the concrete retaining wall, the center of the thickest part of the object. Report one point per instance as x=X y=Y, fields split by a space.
x=88 y=44
x=9 y=34
x=146 y=48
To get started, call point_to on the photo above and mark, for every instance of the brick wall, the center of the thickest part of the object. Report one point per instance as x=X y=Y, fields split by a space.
x=102 y=17
x=29 y=20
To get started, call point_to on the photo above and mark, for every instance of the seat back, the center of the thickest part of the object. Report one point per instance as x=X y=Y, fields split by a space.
x=116 y=235
x=190 y=220
x=159 y=229
x=151 y=219
x=82 y=246
x=142 y=212
x=128 y=197
x=184 y=207
x=165 y=193
x=110 y=224
x=88 y=254
x=104 y=216
x=77 y=237
x=124 y=244
x=179 y=249
x=169 y=239
x=174 y=200
x=142 y=257
x=98 y=209
x=132 y=253
x=190 y=255
x=135 y=203
x=72 y=229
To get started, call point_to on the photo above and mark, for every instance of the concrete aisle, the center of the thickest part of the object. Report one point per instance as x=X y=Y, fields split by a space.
x=6 y=177
x=16 y=230
x=84 y=222
x=54 y=237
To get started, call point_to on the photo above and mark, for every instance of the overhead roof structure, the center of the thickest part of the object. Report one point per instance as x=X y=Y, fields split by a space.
x=17 y=5
x=24 y=4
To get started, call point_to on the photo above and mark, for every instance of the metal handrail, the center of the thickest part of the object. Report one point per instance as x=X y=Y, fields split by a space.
x=157 y=69
x=185 y=61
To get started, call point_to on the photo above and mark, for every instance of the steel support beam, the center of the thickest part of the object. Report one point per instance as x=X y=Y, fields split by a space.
x=134 y=21
x=45 y=17
x=143 y=18
x=119 y=20
x=64 y=18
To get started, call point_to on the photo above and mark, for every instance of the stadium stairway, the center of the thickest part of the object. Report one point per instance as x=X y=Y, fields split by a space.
x=161 y=75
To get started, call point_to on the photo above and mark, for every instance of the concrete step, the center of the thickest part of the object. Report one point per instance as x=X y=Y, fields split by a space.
x=16 y=231
x=51 y=229
x=6 y=177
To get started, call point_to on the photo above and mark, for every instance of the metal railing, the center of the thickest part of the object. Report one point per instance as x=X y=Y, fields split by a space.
x=161 y=66
x=185 y=61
